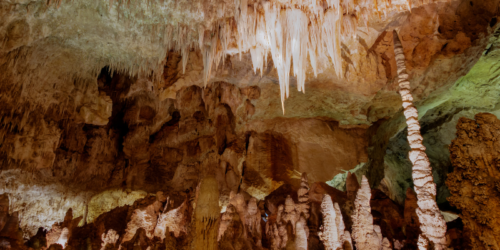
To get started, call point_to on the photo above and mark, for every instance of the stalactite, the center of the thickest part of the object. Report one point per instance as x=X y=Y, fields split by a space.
x=432 y=223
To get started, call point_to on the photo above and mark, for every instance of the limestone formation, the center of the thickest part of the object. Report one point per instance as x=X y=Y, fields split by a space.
x=176 y=220
x=364 y=233
x=332 y=234
x=248 y=214
x=253 y=222
x=386 y=244
x=231 y=232
x=145 y=218
x=53 y=235
x=206 y=216
x=226 y=221
x=287 y=227
x=63 y=238
x=301 y=234
x=109 y=239
x=474 y=184
x=432 y=223
x=347 y=241
x=104 y=103
x=398 y=245
x=303 y=196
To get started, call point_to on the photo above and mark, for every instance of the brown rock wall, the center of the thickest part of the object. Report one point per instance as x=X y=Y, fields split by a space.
x=474 y=182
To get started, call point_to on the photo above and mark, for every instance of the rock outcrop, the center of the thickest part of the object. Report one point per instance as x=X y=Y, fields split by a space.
x=474 y=181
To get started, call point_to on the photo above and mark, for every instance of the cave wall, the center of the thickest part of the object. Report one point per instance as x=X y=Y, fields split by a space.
x=472 y=94
x=152 y=144
x=474 y=182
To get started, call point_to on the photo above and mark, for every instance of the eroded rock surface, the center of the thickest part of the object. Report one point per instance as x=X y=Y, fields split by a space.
x=473 y=183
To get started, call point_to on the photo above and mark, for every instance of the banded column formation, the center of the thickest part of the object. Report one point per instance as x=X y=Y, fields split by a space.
x=432 y=223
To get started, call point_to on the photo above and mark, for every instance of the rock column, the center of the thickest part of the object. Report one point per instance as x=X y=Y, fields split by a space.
x=432 y=222
x=207 y=213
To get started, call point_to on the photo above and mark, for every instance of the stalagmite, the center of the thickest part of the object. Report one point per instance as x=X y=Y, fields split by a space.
x=290 y=216
x=226 y=220
x=386 y=244
x=332 y=233
x=145 y=218
x=249 y=215
x=54 y=234
x=206 y=216
x=301 y=234
x=398 y=245
x=347 y=241
x=364 y=233
x=175 y=220
x=63 y=239
x=109 y=239
x=289 y=213
x=432 y=223
x=303 y=194
x=252 y=222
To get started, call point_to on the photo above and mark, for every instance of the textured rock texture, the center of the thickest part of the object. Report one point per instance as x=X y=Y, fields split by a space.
x=333 y=235
x=474 y=182
x=432 y=223
x=365 y=234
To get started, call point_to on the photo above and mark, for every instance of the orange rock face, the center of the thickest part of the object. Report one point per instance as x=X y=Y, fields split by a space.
x=474 y=182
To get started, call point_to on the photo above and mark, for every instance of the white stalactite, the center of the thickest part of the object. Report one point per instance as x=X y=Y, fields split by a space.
x=432 y=223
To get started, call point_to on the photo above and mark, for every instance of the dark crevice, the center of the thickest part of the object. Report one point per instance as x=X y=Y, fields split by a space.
x=493 y=22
